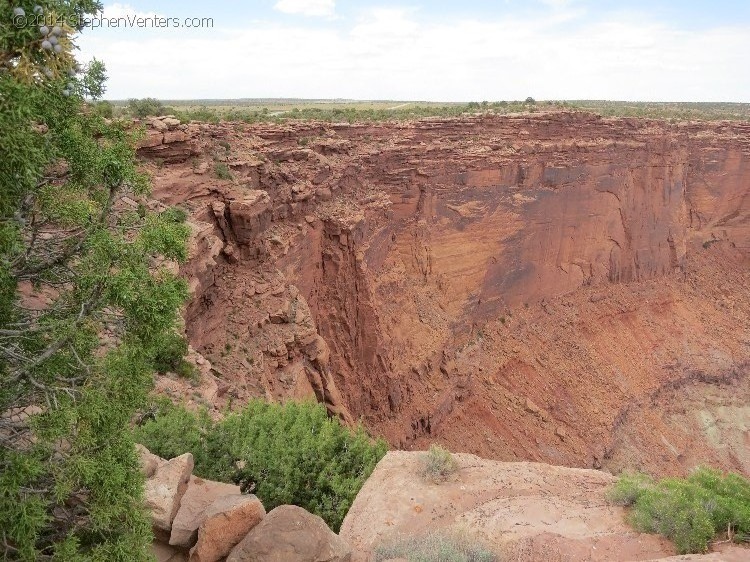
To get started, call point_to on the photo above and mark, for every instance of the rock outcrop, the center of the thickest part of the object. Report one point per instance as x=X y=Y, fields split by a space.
x=431 y=277
x=196 y=500
x=521 y=511
x=198 y=520
x=194 y=519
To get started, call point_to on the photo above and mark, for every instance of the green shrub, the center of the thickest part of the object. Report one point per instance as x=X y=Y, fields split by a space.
x=285 y=454
x=435 y=547
x=103 y=109
x=222 y=171
x=173 y=430
x=170 y=357
x=145 y=107
x=438 y=464
x=689 y=511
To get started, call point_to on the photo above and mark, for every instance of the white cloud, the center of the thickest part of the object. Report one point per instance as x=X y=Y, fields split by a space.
x=557 y=4
x=395 y=54
x=117 y=10
x=306 y=7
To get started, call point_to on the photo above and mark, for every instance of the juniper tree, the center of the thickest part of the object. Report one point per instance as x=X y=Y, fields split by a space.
x=84 y=303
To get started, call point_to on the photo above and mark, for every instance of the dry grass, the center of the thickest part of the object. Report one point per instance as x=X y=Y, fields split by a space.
x=438 y=464
x=448 y=546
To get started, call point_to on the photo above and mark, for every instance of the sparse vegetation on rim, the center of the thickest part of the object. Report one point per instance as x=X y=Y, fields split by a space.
x=278 y=111
x=445 y=546
x=438 y=464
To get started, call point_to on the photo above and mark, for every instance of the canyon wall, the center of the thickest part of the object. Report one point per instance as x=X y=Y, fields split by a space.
x=519 y=287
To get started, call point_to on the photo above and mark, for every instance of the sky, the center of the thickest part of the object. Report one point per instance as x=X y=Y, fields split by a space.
x=437 y=50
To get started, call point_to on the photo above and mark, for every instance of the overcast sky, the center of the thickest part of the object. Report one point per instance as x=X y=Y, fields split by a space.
x=438 y=50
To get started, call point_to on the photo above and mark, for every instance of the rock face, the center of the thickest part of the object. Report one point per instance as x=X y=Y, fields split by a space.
x=521 y=511
x=291 y=534
x=437 y=277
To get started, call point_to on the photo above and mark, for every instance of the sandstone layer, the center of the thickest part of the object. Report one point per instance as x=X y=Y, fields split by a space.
x=550 y=287
x=521 y=511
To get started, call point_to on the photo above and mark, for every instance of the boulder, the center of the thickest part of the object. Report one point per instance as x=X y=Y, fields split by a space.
x=171 y=122
x=164 y=490
x=227 y=520
x=159 y=125
x=149 y=461
x=175 y=136
x=200 y=494
x=291 y=534
x=153 y=138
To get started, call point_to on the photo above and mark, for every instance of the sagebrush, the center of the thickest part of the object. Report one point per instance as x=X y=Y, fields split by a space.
x=438 y=464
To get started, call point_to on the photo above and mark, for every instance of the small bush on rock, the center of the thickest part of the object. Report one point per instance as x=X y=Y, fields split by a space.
x=435 y=547
x=438 y=464
x=689 y=511
x=285 y=454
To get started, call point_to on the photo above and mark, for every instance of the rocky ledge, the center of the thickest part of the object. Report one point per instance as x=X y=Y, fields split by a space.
x=198 y=520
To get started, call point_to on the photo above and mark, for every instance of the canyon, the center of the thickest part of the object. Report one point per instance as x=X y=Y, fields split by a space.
x=553 y=287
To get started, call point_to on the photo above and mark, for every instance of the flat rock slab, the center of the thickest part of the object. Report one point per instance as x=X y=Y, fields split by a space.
x=528 y=511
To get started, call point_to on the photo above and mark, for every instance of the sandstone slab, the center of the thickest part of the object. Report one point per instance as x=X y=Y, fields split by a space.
x=523 y=511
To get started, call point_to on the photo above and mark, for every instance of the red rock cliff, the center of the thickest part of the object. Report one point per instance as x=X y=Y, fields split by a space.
x=545 y=287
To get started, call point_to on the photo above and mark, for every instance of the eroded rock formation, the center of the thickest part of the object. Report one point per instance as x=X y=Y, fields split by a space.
x=522 y=287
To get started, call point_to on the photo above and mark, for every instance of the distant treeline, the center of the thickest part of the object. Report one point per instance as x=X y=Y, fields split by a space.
x=250 y=111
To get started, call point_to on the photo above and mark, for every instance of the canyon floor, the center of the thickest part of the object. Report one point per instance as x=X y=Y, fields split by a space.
x=551 y=287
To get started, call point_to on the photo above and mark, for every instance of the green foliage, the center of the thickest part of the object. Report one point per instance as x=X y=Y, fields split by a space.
x=202 y=114
x=285 y=454
x=170 y=356
x=103 y=109
x=436 y=547
x=689 y=511
x=684 y=111
x=222 y=171
x=94 y=79
x=74 y=371
x=213 y=114
x=170 y=431
x=146 y=107
x=438 y=464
